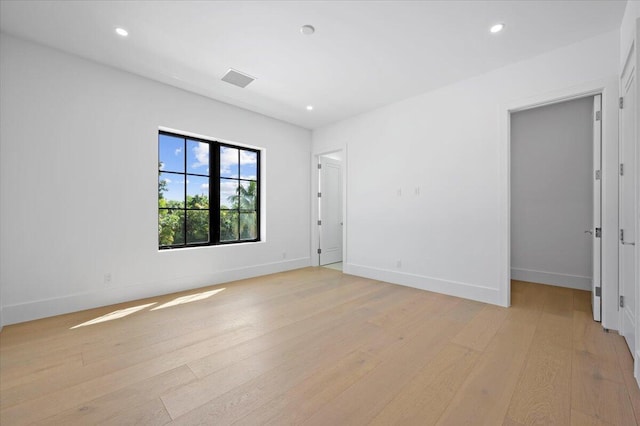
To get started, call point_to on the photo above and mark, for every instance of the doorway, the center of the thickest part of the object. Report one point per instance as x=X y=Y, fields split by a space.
x=330 y=210
x=556 y=195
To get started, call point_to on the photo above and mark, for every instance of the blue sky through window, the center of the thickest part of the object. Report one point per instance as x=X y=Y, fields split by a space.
x=234 y=163
x=172 y=159
x=171 y=153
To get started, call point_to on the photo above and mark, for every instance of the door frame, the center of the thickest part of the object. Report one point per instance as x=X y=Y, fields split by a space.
x=608 y=88
x=315 y=185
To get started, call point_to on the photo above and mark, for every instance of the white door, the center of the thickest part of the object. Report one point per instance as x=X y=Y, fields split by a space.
x=627 y=221
x=597 y=209
x=330 y=210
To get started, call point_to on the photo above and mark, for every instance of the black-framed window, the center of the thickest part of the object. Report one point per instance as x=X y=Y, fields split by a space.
x=208 y=192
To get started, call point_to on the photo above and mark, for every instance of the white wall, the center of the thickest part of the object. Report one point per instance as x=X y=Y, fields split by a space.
x=551 y=194
x=78 y=148
x=628 y=29
x=451 y=145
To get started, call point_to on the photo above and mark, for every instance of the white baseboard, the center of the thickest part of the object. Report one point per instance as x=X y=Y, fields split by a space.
x=451 y=288
x=13 y=314
x=560 y=280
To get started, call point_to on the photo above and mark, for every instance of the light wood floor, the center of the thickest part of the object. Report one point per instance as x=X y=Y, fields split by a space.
x=317 y=347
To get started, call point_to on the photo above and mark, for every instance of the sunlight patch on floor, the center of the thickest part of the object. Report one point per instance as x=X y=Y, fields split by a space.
x=120 y=313
x=188 y=299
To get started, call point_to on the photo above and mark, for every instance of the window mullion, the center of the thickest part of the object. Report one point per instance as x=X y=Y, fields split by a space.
x=184 y=242
x=216 y=185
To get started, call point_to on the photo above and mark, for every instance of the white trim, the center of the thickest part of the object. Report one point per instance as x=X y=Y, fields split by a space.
x=551 y=278
x=21 y=312
x=422 y=282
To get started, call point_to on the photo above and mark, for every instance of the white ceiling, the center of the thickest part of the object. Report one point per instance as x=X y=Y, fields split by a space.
x=364 y=54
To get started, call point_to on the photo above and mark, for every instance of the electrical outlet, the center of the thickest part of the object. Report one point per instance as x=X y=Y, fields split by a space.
x=107 y=278
x=284 y=254
x=399 y=264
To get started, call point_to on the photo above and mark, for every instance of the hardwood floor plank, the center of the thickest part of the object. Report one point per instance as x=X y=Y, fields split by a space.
x=232 y=405
x=625 y=362
x=589 y=336
x=582 y=301
x=559 y=301
x=602 y=399
x=527 y=302
x=302 y=400
x=152 y=413
x=315 y=346
x=210 y=387
x=360 y=403
x=423 y=400
x=170 y=354
x=481 y=328
x=543 y=393
x=134 y=398
x=25 y=373
x=484 y=397
x=586 y=363
x=328 y=319
x=578 y=418
x=226 y=304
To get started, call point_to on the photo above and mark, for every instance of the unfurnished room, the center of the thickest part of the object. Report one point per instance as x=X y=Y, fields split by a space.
x=319 y=212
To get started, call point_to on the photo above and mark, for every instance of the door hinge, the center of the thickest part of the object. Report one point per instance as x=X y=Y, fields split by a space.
x=319 y=251
x=598 y=232
x=621 y=102
x=622 y=301
x=598 y=291
x=622 y=235
x=319 y=222
x=319 y=166
x=319 y=194
x=598 y=174
x=621 y=169
x=598 y=115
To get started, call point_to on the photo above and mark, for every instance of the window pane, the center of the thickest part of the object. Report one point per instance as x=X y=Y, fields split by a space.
x=197 y=157
x=228 y=162
x=171 y=153
x=248 y=226
x=248 y=164
x=248 y=192
x=170 y=227
x=228 y=225
x=197 y=192
x=197 y=226
x=170 y=190
x=228 y=194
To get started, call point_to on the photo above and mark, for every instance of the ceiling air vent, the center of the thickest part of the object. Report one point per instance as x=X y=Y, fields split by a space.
x=237 y=78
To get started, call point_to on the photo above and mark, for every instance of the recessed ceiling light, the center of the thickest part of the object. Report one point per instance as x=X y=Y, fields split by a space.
x=307 y=29
x=496 y=28
x=309 y=107
x=122 y=32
